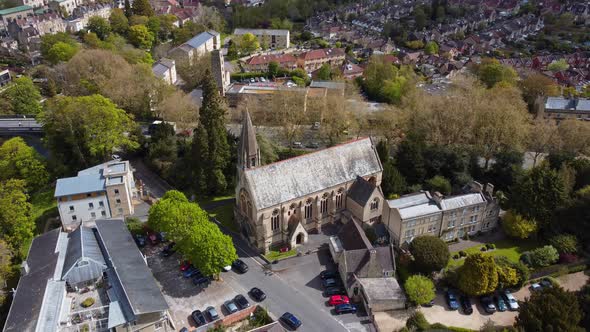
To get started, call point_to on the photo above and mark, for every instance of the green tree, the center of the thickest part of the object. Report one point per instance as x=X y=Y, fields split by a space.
x=478 y=276
x=142 y=8
x=440 y=184
x=558 y=65
x=536 y=85
x=273 y=68
x=48 y=40
x=119 y=22
x=100 y=26
x=430 y=253
x=410 y=160
x=141 y=37
x=419 y=18
x=325 y=72
x=16 y=224
x=431 y=48
x=175 y=215
x=61 y=52
x=85 y=131
x=247 y=43
x=584 y=300
x=538 y=194
x=128 y=9
x=415 y=44
x=154 y=25
x=522 y=272
x=553 y=309
x=492 y=72
x=20 y=161
x=517 y=226
x=23 y=96
x=507 y=276
x=212 y=140
x=393 y=182
x=420 y=289
x=544 y=256
x=565 y=243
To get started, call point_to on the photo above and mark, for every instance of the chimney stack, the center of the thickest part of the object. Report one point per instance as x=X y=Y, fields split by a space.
x=437 y=196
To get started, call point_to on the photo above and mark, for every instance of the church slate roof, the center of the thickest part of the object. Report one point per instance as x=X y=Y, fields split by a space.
x=314 y=172
x=361 y=190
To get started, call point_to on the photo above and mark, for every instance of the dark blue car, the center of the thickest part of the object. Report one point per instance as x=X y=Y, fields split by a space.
x=290 y=320
x=345 y=308
x=191 y=272
x=452 y=300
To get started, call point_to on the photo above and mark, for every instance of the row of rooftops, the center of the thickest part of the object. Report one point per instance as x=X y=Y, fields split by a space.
x=262 y=32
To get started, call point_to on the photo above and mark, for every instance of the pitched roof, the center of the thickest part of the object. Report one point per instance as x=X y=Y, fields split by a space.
x=278 y=58
x=200 y=39
x=352 y=237
x=13 y=10
x=461 y=201
x=133 y=275
x=82 y=244
x=314 y=172
x=322 y=53
x=361 y=190
x=414 y=205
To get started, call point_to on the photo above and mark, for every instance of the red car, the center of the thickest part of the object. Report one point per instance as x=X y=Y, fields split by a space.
x=185 y=265
x=338 y=299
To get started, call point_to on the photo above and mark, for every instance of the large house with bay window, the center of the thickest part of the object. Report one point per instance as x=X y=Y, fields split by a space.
x=281 y=203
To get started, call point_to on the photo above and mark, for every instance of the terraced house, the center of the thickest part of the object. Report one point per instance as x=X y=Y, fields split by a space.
x=452 y=217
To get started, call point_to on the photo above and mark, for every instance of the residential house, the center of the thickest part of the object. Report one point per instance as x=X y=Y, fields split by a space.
x=268 y=38
x=27 y=31
x=67 y=5
x=165 y=69
x=81 y=15
x=560 y=108
x=202 y=43
x=5 y=77
x=280 y=203
x=32 y=3
x=102 y=262
x=103 y=191
x=13 y=13
x=314 y=59
x=452 y=217
x=367 y=271
x=351 y=71
x=260 y=62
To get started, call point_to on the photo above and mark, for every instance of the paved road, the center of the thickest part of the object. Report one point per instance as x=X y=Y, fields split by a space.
x=156 y=185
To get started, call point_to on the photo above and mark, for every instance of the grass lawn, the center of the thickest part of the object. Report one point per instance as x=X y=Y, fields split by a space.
x=204 y=200
x=225 y=215
x=44 y=206
x=510 y=248
x=272 y=255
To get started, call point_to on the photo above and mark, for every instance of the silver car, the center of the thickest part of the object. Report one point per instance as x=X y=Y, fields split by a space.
x=510 y=300
x=230 y=306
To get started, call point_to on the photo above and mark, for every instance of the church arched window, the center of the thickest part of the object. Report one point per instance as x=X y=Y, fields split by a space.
x=308 y=209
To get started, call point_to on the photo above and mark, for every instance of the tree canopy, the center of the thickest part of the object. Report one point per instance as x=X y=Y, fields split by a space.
x=20 y=161
x=100 y=26
x=420 y=289
x=384 y=82
x=478 y=275
x=553 y=309
x=16 y=224
x=516 y=226
x=492 y=72
x=140 y=36
x=430 y=253
x=23 y=96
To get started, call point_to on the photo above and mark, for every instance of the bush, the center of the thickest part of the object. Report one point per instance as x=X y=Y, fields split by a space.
x=420 y=289
x=565 y=258
x=440 y=184
x=565 y=243
x=544 y=256
x=135 y=226
x=483 y=248
x=526 y=258
x=577 y=268
x=430 y=253
x=462 y=253
x=517 y=226
x=417 y=322
x=87 y=302
x=492 y=246
x=455 y=256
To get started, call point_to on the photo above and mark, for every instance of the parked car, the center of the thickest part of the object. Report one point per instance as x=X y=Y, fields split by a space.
x=452 y=300
x=201 y=281
x=315 y=126
x=241 y=301
x=546 y=283
x=338 y=299
x=500 y=303
x=466 y=304
x=297 y=145
x=185 y=265
x=212 y=313
x=313 y=145
x=168 y=249
x=488 y=304
x=510 y=300
x=191 y=272
x=346 y=308
x=199 y=318
x=336 y=290
x=140 y=240
x=252 y=80
x=257 y=294
x=329 y=274
x=290 y=320
x=330 y=282
x=429 y=304
x=184 y=329
x=230 y=306
x=240 y=266
x=536 y=287
x=227 y=268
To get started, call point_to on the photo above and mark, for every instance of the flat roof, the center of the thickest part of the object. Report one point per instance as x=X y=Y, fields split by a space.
x=79 y=185
x=13 y=10
x=135 y=278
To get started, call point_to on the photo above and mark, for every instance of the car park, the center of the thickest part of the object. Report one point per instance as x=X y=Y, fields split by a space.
x=330 y=282
x=257 y=294
x=336 y=290
x=346 y=308
x=212 y=313
x=487 y=304
x=452 y=300
x=290 y=320
x=466 y=304
x=230 y=306
x=199 y=318
x=240 y=266
x=500 y=303
x=241 y=301
x=329 y=274
x=510 y=300
x=140 y=240
x=338 y=299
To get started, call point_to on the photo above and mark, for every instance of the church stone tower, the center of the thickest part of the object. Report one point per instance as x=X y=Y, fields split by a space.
x=248 y=151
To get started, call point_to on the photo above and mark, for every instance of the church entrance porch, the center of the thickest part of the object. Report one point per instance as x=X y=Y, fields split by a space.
x=297 y=235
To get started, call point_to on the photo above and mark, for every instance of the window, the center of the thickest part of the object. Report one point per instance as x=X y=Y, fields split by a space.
x=116 y=191
x=74 y=218
x=476 y=208
x=274 y=220
x=102 y=213
x=339 y=199
x=91 y=206
x=118 y=201
x=410 y=232
x=473 y=218
x=101 y=204
x=308 y=209
x=375 y=204
x=92 y=215
x=71 y=208
x=88 y=195
x=324 y=204
x=451 y=223
x=253 y=162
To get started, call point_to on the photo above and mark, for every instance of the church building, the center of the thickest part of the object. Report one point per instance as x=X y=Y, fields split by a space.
x=279 y=204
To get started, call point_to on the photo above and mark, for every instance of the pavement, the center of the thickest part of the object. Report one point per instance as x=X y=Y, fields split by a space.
x=489 y=237
x=155 y=185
